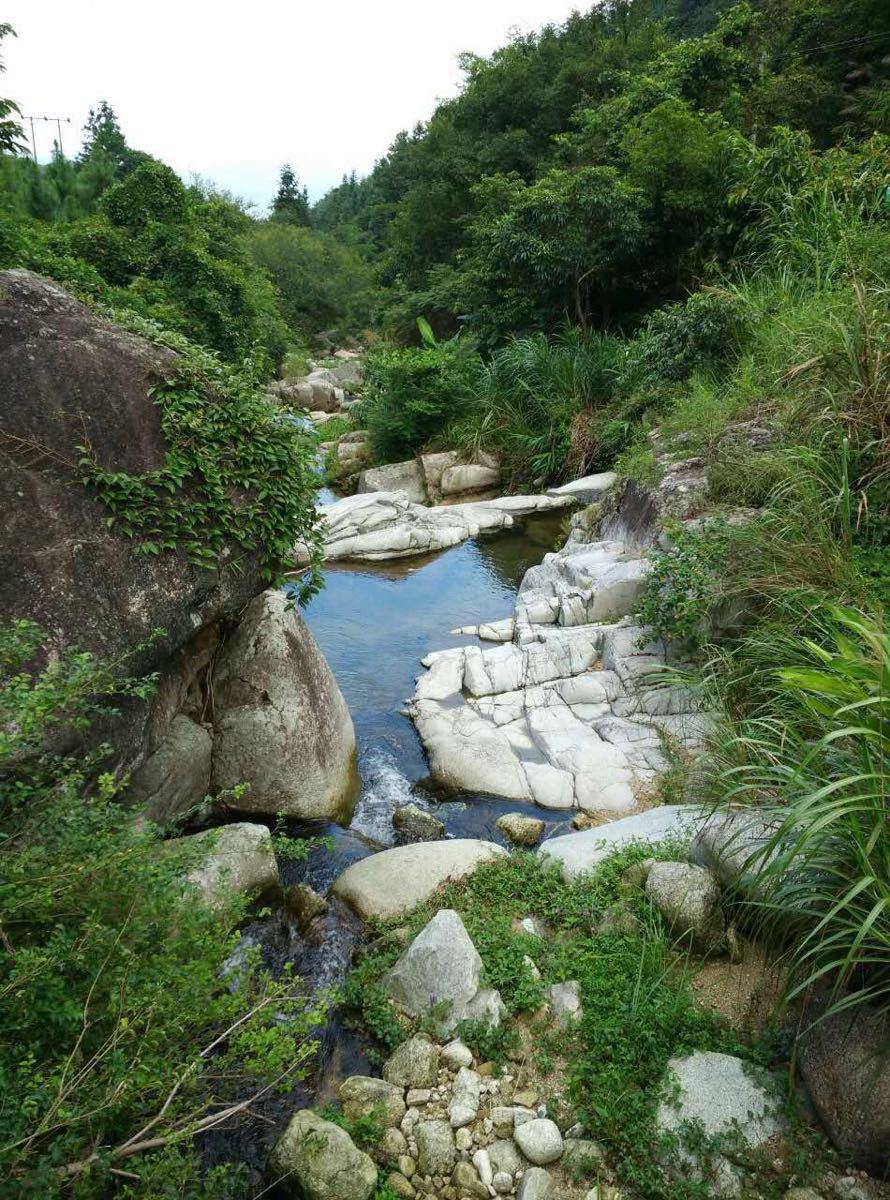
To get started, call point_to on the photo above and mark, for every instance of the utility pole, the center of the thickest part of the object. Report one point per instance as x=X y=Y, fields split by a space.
x=51 y=120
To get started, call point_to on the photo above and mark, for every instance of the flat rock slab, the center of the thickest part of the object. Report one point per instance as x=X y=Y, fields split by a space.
x=588 y=489
x=578 y=853
x=397 y=880
x=374 y=526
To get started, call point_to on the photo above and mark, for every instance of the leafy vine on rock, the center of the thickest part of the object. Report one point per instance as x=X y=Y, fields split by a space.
x=236 y=470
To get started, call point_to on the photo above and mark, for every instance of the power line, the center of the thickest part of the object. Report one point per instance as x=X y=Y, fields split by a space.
x=58 y=123
x=869 y=37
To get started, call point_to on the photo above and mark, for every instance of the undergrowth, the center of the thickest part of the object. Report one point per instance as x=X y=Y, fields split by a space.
x=639 y=1009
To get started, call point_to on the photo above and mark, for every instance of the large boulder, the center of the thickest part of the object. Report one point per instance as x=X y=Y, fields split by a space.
x=281 y=723
x=177 y=774
x=726 y=1099
x=845 y=1063
x=235 y=858
x=397 y=880
x=402 y=476
x=71 y=378
x=440 y=969
x=315 y=1159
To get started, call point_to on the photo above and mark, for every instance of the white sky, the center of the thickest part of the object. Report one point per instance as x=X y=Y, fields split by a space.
x=233 y=90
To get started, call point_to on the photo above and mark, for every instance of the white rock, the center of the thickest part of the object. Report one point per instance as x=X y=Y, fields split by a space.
x=482 y=1163
x=539 y=1140
x=456 y=1054
x=578 y=853
x=395 y=881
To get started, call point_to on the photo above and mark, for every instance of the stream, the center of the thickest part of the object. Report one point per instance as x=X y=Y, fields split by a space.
x=374 y=623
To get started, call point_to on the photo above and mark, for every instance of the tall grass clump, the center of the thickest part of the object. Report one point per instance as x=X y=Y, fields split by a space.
x=814 y=755
x=537 y=402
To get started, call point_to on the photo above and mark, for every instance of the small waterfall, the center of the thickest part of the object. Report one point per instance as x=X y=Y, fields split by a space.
x=386 y=789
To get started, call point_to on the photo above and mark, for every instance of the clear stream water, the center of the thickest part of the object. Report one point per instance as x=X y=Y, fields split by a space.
x=374 y=624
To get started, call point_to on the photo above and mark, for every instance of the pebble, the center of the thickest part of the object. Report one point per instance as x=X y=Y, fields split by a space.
x=417 y=1096
x=485 y=1068
x=526 y=1098
x=482 y=1163
x=407 y=1165
x=463 y=1139
x=502 y=1183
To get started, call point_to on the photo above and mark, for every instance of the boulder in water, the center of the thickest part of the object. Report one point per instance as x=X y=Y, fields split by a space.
x=520 y=829
x=282 y=725
x=239 y=858
x=416 y=825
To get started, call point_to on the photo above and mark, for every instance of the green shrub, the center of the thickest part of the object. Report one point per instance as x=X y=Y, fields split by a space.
x=683 y=584
x=120 y=1038
x=249 y=471
x=814 y=755
x=543 y=404
x=709 y=329
x=153 y=192
x=412 y=394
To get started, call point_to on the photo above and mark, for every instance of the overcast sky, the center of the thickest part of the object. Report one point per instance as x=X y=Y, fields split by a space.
x=231 y=91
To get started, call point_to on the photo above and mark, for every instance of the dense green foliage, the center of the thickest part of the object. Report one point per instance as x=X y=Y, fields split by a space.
x=135 y=237
x=109 y=970
x=814 y=754
x=590 y=170
x=411 y=395
x=237 y=470
x=323 y=282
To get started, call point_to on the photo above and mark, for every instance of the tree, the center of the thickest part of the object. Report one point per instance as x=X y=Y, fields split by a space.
x=568 y=245
x=103 y=138
x=291 y=203
x=10 y=130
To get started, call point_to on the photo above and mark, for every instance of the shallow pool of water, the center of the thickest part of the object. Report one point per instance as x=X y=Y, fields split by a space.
x=375 y=623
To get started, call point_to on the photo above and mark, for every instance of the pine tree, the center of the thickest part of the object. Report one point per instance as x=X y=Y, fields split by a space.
x=103 y=138
x=291 y=203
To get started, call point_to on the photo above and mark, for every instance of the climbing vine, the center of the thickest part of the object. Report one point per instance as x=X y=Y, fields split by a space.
x=236 y=470
x=683 y=584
